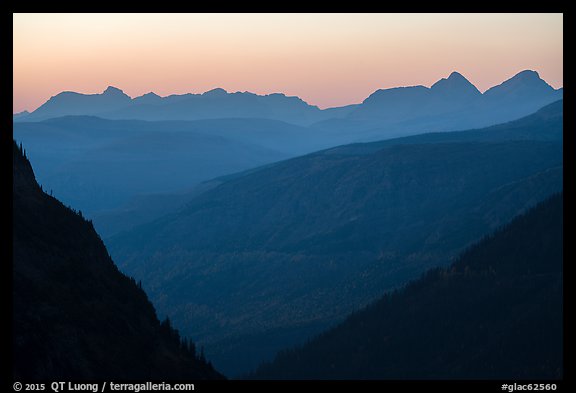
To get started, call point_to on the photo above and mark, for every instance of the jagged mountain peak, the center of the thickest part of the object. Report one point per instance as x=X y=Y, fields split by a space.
x=111 y=90
x=151 y=94
x=148 y=98
x=456 y=84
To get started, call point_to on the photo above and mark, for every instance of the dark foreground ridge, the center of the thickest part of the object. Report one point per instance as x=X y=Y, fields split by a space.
x=75 y=315
x=496 y=313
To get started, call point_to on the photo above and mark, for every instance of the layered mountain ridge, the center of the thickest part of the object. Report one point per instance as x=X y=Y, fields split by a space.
x=90 y=149
x=265 y=258
x=250 y=254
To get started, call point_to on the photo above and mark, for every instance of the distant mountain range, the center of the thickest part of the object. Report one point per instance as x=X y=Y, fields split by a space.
x=495 y=313
x=75 y=316
x=451 y=103
x=262 y=260
x=92 y=150
x=213 y=104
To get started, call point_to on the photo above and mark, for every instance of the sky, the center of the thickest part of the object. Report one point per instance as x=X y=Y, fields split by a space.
x=328 y=60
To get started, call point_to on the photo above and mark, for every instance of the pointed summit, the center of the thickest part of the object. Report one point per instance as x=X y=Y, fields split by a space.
x=151 y=95
x=111 y=90
x=455 y=87
x=524 y=82
x=114 y=95
x=148 y=98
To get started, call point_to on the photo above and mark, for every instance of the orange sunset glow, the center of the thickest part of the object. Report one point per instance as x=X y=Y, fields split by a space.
x=326 y=59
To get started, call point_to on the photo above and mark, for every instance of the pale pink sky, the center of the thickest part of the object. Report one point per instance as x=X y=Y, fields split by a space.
x=326 y=59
